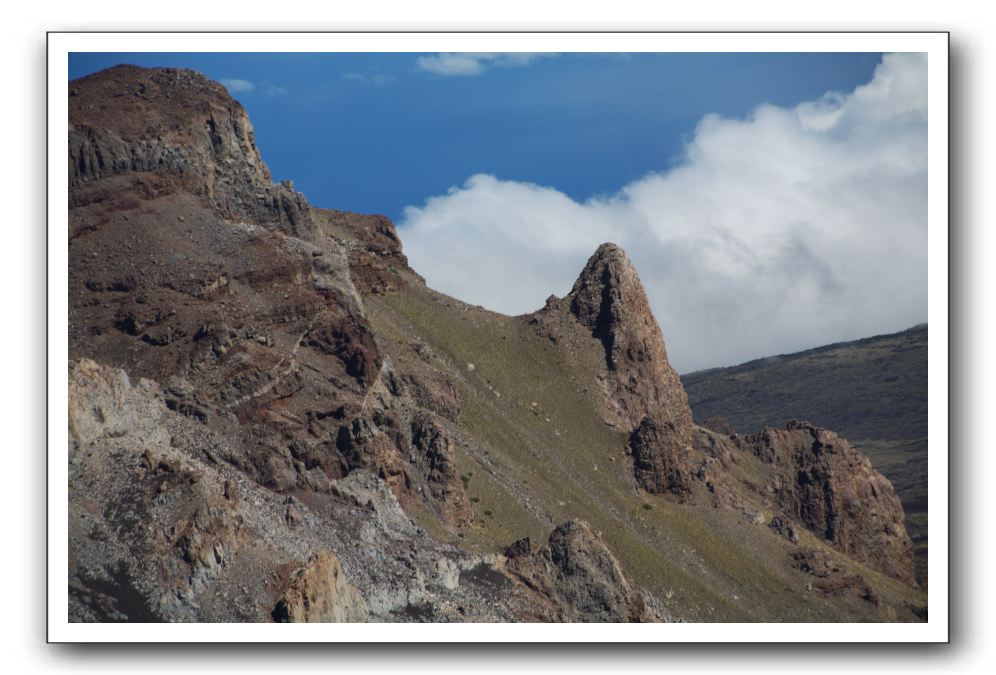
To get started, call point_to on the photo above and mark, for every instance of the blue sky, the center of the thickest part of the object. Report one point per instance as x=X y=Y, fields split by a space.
x=377 y=132
x=770 y=202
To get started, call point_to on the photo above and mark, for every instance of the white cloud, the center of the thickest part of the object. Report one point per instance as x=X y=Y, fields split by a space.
x=239 y=86
x=475 y=63
x=789 y=229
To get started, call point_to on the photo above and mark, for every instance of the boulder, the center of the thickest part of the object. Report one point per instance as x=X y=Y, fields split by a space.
x=579 y=578
x=661 y=457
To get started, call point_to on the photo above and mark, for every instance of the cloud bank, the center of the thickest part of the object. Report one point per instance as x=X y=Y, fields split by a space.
x=789 y=229
x=475 y=63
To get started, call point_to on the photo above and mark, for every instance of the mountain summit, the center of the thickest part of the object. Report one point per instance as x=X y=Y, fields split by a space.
x=273 y=418
x=609 y=299
x=185 y=130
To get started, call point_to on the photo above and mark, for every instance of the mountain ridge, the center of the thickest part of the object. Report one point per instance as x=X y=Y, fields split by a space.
x=805 y=352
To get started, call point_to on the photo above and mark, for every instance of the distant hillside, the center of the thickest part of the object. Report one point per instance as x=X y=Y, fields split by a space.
x=872 y=391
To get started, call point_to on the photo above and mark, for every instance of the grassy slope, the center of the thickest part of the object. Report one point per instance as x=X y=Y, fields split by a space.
x=530 y=467
x=872 y=391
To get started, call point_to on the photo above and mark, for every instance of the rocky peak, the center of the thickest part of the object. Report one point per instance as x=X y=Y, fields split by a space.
x=609 y=300
x=167 y=130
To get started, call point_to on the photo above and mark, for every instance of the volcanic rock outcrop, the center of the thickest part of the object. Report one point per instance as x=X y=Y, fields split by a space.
x=189 y=267
x=609 y=300
x=161 y=531
x=578 y=577
x=375 y=256
x=164 y=130
x=660 y=457
x=320 y=593
x=640 y=392
x=834 y=491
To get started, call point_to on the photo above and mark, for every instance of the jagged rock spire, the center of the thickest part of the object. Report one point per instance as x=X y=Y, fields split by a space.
x=643 y=393
x=609 y=300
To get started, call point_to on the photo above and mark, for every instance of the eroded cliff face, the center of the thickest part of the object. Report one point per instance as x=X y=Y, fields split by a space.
x=832 y=489
x=320 y=593
x=820 y=480
x=190 y=268
x=159 y=131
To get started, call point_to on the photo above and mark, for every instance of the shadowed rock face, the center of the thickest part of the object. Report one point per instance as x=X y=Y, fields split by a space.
x=579 y=577
x=661 y=458
x=832 y=489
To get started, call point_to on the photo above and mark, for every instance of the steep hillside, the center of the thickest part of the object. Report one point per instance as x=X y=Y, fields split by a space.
x=873 y=391
x=272 y=418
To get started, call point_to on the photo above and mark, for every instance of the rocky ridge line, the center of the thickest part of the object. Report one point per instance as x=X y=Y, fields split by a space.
x=189 y=267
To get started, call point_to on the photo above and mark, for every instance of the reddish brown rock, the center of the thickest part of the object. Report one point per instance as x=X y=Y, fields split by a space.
x=578 y=577
x=376 y=261
x=164 y=130
x=609 y=300
x=188 y=267
x=640 y=392
x=833 y=490
x=661 y=457
x=435 y=460
x=718 y=446
x=435 y=391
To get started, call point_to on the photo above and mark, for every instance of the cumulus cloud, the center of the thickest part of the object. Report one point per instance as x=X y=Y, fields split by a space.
x=240 y=86
x=792 y=228
x=475 y=63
